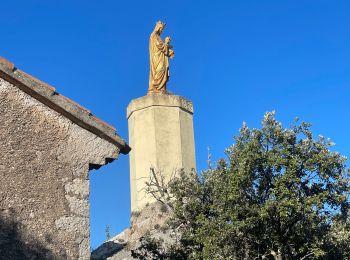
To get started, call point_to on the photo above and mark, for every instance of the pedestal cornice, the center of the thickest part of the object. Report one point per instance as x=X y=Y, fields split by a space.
x=166 y=100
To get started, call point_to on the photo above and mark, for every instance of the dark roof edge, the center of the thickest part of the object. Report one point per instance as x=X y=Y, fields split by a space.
x=47 y=95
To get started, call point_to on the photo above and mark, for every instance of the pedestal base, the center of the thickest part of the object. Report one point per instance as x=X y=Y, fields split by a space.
x=161 y=136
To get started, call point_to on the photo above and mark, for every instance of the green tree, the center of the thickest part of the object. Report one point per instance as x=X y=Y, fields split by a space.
x=281 y=194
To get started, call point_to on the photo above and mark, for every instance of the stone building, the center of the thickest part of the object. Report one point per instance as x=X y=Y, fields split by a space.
x=48 y=144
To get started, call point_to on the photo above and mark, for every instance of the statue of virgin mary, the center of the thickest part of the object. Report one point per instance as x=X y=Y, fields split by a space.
x=159 y=52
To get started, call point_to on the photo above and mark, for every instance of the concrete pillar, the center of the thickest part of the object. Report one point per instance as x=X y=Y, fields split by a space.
x=160 y=136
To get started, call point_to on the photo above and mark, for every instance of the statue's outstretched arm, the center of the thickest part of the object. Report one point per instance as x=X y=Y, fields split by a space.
x=163 y=48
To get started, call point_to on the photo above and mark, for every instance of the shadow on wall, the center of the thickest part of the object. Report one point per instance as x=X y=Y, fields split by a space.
x=12 y=244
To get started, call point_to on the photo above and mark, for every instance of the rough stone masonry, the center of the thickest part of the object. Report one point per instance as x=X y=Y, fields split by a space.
x=48 y=144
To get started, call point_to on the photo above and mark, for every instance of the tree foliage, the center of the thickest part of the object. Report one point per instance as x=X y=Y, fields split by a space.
x=280 y=194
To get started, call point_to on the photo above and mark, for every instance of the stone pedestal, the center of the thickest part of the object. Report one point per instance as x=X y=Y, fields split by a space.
x=161 y=136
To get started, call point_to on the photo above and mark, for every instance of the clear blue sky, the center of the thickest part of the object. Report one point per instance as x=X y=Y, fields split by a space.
x=234 y=59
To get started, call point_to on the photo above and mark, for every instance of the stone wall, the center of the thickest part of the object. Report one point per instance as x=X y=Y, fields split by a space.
x=44 y=179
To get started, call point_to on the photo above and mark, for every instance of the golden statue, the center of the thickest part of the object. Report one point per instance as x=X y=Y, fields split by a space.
x=159 y=52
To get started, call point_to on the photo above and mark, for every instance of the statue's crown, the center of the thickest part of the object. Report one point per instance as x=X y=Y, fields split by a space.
x=160 y=23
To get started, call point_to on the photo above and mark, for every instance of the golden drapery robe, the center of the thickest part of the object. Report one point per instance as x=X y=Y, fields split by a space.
x=159 y=63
